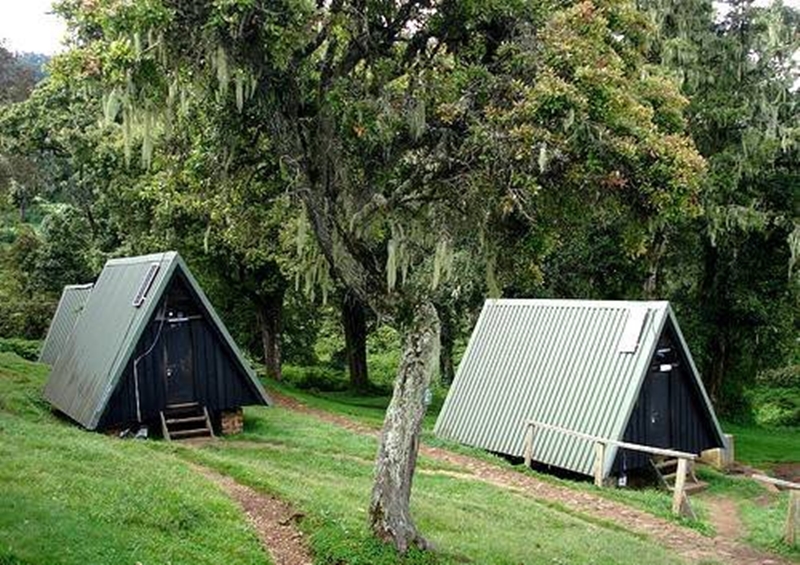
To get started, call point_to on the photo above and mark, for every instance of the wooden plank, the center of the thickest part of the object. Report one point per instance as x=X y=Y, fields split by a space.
x=599 y=462
x=529 y=444
x=776 y=482
x=792 y=534
x=622 y=444
x=208 y=421
x=680 y=481
x=164 y=429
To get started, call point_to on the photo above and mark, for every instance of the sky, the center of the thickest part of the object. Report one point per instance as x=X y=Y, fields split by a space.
x=25 y=25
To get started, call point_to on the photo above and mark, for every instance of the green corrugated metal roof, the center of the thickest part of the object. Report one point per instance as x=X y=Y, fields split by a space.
x=555 y=361
x=95 y=356
x=69 y=309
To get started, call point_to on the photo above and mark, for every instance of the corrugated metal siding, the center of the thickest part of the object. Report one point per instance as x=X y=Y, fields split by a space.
x=69 y=309
x=102 y=343
x=83 y=377
x=555 y=361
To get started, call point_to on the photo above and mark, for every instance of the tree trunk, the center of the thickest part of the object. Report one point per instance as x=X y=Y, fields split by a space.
x=355 y=339
x=389 y=513
x=652 y=284
x=712 y=303
x=446 y=370
x=269 y=313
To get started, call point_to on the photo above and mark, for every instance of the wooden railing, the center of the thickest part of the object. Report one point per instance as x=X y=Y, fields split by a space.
x=601 y=445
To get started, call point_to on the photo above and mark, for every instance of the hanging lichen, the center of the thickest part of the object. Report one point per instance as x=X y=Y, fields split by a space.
x=223 y=71
x=416 y=118
x=442 y=262
x=543 y=157
x=239 y=88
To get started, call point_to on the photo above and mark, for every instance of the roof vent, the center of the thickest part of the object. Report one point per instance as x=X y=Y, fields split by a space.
x=629 y=341
x=147 y=282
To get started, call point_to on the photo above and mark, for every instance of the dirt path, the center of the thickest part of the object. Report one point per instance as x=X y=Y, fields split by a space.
x=689 y=544
x=273 y=520
x=724 y=515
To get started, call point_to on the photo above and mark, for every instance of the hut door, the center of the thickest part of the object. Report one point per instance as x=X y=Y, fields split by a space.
x=658 y=424
x=178 y=366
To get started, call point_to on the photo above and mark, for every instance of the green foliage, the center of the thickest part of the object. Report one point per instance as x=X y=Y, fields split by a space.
x=775 y=406
x=25 y=348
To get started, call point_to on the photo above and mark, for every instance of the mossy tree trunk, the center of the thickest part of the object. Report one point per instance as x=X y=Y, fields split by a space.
x=389 y=512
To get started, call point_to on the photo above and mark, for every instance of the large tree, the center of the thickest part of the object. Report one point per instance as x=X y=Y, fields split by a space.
x=410 y=132
x=731 y=266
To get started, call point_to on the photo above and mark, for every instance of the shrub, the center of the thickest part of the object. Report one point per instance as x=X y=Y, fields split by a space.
x=318 y=378
x=776 y=406
x=25 y=348
x=788 y=376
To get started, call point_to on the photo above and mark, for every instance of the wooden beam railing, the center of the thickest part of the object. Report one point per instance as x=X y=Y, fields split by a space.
x=601 y=446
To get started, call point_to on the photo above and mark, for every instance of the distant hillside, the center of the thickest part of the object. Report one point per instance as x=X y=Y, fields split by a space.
x=35 y=62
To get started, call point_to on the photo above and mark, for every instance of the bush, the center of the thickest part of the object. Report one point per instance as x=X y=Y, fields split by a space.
x=24 y=318
x=784 y=377
x=776 y=406
x=25 y=348
x=318 y=378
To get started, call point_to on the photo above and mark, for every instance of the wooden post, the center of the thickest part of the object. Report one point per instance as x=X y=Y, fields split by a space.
x=792 y=537
x=680 y=481
x=529 y=444
x=599 y=462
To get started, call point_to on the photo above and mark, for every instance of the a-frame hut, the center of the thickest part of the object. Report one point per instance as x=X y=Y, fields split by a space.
x=148 y=349
x=69 y=309
x=610 y=369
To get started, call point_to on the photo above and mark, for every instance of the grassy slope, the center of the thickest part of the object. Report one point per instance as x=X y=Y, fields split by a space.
x=763 y=514
x=326 y=472
x=75 y=497
x=71 y=497
x=761 y=447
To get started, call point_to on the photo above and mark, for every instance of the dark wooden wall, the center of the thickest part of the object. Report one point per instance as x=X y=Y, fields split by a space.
x=688 y=426
x=220 y=383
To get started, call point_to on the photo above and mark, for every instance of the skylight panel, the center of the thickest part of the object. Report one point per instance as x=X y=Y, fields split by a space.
x=632 y=333
x=147 y=282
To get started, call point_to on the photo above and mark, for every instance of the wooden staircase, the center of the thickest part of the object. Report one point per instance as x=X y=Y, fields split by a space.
x=666 y=469
x=185 y=421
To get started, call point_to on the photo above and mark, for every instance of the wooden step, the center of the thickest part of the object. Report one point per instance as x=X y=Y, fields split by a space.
x=191 y=433
x=187 y=420
x=183 y=406
x=666 y=463
x=176 y=417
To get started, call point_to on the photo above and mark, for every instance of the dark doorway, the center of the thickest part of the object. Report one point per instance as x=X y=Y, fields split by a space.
x=658 y=415
x=179 y=361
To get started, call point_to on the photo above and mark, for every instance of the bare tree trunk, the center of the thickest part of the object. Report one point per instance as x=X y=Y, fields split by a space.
x=355 y=339
x=446 y=371
x=389 y=512
x=269 y=313
x=652 y=284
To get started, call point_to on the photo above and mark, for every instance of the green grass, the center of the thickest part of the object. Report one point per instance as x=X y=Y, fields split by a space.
x=762 y=447
x=763 y=513
x=75 y=497
x=756 y=446
x=71 y=497
x=326 y=472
